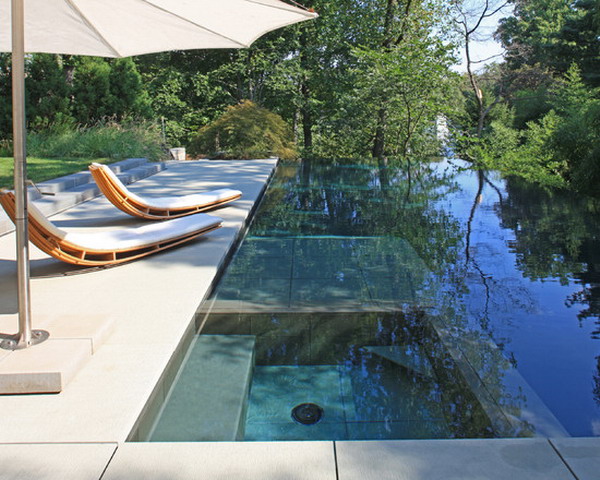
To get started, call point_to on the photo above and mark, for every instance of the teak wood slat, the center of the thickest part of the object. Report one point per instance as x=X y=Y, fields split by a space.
x=75 y=254
x=122 y=199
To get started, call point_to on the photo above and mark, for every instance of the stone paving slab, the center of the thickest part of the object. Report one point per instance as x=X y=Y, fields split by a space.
x=581 y=454
x=152 y=302
x=54 y=461
x=69 y=182
x=45 y=369
x=499 y=459
x=223 y=461
x=51 y=365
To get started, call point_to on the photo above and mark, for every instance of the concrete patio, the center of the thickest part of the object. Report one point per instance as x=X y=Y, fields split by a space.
x=141 y=314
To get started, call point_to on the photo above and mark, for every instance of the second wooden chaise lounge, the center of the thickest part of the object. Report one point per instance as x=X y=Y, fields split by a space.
x=160 y=208
x=109 y=247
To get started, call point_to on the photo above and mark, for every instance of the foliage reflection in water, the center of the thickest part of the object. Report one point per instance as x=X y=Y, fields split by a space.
x=420 y=301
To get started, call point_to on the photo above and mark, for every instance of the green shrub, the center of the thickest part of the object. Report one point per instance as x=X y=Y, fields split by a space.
x=530 y=104
x=578 y=142
x=559 y=149
x=577 y=139
x=527 y=153
x=106 y=139
x=245 y=131
x=62 y=148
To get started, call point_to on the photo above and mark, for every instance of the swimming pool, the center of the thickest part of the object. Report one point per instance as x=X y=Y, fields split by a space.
x=381 y=302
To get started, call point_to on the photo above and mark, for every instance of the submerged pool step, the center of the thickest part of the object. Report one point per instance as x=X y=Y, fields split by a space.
x=513 y=407
x=406 y=356
x=208 y=400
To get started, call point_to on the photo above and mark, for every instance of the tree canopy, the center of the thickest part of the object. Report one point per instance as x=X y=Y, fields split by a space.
x=367 y=78
x=539 y=109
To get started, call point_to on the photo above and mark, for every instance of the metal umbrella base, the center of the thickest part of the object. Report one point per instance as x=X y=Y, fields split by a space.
x=16 y=343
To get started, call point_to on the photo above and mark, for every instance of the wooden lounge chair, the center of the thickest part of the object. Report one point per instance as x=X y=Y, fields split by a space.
x=111 y=247
x=157 y=208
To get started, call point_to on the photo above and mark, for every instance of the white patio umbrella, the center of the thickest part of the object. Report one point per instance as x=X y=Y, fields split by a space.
x=114 y=28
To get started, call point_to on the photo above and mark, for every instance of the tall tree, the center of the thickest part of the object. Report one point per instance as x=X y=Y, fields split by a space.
x=554 y=33
x=48 y=94
x=470 y=19
x=403 y=80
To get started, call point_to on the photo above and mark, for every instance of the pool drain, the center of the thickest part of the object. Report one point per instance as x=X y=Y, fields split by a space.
x=307 y=413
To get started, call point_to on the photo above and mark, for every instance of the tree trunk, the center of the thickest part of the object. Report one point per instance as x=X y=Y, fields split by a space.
x=379 y=142
x=476 y=90
x=307 y=120
x=469 y=32
x=295 y=123
x=68 y=68
x=378 y=150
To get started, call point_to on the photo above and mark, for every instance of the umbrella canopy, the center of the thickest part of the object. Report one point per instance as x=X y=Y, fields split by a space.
x=121 y=28
x=114 y=28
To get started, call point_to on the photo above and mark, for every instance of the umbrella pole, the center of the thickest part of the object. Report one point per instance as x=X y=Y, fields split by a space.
x=26 y=336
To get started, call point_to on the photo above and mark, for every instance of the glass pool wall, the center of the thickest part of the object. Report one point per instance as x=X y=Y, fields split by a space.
x=422 y=302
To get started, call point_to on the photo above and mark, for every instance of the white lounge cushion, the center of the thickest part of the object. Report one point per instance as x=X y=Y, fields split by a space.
x=130 y=238
x=191 y=200
x=170 y=202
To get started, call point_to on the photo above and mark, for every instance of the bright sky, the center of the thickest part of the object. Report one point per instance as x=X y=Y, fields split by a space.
x=485 y=47
x=481 y=51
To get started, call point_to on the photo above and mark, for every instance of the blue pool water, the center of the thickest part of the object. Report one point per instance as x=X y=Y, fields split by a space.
x=423 y=302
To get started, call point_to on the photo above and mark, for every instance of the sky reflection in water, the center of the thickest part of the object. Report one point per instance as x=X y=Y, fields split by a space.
x=445 y=257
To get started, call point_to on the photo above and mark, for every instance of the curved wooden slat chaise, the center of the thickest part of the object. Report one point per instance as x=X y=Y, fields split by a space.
x=111 y=247
x=157 y=208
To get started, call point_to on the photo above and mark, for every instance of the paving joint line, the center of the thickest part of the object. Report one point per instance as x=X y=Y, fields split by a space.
x=335 y=461
x=109 y=461
x=562 y=458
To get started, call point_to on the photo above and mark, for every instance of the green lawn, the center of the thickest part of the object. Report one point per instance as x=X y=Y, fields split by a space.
x=40 y=169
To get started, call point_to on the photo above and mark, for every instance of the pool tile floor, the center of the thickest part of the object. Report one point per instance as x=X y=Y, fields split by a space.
x=322 y=274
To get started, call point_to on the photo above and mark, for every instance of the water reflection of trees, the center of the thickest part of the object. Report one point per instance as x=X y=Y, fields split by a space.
x=557 y=235
x=369 y=199
x=404 y=201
